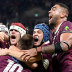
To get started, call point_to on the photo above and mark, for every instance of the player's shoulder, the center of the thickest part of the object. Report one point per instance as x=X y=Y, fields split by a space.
x=67 y=23
x=66 y=26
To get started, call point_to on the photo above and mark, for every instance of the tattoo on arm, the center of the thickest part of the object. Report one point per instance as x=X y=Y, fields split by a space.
x=48 y=49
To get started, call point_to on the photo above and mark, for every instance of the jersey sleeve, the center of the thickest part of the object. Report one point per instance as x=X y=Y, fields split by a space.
x=67 y=27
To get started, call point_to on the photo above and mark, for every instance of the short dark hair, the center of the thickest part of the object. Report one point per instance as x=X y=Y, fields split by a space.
x=64 y=6
x=26 y=42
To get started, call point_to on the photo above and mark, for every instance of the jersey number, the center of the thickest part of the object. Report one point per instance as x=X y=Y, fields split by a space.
x=11 y=67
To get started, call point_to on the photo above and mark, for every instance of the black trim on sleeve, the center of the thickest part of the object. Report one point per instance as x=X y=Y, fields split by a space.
x=58 y=47
x=67 y=44
x=67 y=32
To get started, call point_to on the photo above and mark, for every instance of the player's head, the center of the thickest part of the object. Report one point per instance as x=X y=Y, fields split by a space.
x=26 y=42
x=59 y=12
x=40 y=34
x=3 y=28
x=17 y=30
x=4 y=44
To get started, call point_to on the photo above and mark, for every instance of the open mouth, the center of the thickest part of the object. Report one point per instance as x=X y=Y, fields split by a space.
x=50 y=17
x=13 y=37
x=35 y=39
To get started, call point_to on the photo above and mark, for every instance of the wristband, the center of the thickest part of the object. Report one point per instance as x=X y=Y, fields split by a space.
x=58 y=48
x=67 y=44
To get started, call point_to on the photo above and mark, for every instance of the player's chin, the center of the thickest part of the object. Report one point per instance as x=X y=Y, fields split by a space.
x=36 y=44
x=13 y=42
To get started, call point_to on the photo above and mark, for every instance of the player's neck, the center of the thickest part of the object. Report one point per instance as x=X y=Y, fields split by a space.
x=57 y=25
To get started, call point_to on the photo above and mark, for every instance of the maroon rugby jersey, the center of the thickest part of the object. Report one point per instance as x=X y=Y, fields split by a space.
x=64 y=59
x=4 y=44
x=7 y=64
x=40 y=67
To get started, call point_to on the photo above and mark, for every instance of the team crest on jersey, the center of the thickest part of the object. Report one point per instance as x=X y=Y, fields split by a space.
x=67 y=27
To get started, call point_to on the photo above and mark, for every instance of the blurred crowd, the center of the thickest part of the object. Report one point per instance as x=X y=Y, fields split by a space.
x=19 y=11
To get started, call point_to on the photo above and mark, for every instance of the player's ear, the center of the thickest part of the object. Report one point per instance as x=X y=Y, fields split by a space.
x=63 y=14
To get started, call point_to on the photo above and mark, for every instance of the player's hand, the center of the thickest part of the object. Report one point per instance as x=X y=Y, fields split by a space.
x=3 y=36
x=30 y=52
x=31 y=59
x=34 y=59
x=29 y=56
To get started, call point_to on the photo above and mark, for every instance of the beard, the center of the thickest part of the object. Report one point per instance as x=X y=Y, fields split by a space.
x=52 y=24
